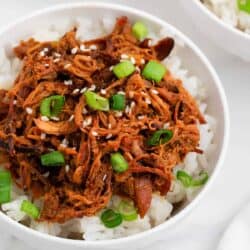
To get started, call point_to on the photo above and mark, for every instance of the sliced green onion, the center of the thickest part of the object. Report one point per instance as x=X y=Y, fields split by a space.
x=160 y=137
x=244 y=5
x=154 y=71
x=123 y=69
x=54 y=158
x=118 y=163
x=96 y=101
x=117 y=102
x=30 y=209
x=5 y=187
x=127 y=210
x=139 y=30
x=52 y=105
x=200 y=180
x=111 y=219
x=184 y=178
x=189 y=181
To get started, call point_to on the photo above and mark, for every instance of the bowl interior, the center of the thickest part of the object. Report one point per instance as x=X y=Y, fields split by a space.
x=191 y=56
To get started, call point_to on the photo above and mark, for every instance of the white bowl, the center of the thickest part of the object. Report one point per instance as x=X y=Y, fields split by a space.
x=227 y=37
x=191 y=55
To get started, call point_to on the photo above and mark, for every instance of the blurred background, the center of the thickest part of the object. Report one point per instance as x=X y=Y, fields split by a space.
x=202 y=229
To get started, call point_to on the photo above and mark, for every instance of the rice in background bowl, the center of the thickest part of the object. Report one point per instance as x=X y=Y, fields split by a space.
x=220 y=28
x=229 y=12
x=184 y=54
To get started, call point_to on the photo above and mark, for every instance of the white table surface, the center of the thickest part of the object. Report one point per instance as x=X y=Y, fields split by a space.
x=204 y=226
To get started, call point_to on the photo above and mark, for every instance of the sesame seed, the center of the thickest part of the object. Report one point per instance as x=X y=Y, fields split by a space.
x=131 y=94
x=42 y=53
x=93 y=47
x=57 y=54
x=43 y=136
x=67 y=65
x=124 y=56
x=104 y=177
x=132 y=59
x=132 y=104
x=127 y=109
x=118 y=114
x=108 y=136
x=142 y=61
x=87 y=122
x=111 y=68
x=65 y=141
x=83 y=90
x=166 y=125
x=94 y=133
x=150 y=43
x=137 y=69
x=44 y=118
x=71 y=118
x=103 y=91
x=68 y=82
x=14 y=102
x=75 y=91
x=29 y=110
x=92 y=87
x=109 y=125
x=45 y=49
x=154 y=91
x=141 y=117
x=82 y=47
x=67 y=167
x=85 y=111
x=46 y=65
x=46 y=175
x=54 y=118
x=148 y=101
x=74 y=51
x=121 y=93
x=56 y=60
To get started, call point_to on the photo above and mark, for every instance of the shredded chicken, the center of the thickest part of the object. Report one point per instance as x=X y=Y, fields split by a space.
x=86 y=187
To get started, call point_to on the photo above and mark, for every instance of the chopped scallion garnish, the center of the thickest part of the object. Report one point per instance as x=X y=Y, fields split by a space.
x=188 y=181
x=139 y=30
x=5 y=187
x=30 y=209
x=154 y=71
x=160 y=137
x=118 y=162
x=244 y=5
x=96 y=101
x=117 y=102
x=54 y=158
x=123 y=69
x=111 y=219
x=127 y=210
x=52 y=105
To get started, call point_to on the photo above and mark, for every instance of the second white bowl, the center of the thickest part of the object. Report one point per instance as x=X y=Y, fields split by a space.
x=229 y=38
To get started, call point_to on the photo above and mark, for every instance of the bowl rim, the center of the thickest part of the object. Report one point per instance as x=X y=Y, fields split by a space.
x=15 y=226
x=219 y=21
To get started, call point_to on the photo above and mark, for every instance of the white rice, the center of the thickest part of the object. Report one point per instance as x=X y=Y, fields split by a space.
x=229 y=12
x=161 y=208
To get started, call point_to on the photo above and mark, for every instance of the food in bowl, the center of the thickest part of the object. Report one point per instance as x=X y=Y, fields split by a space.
x=236 y=13
x=101 y=138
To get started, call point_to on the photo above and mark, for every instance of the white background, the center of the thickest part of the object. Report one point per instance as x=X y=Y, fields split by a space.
x=205 y=225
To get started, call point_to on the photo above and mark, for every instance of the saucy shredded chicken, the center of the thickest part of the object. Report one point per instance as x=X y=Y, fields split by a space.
x=87 y=137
